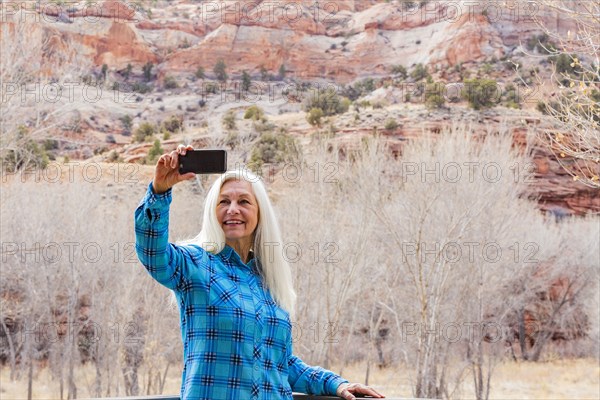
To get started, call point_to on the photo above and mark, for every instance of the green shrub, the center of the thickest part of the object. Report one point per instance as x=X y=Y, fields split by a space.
x=127 y=122
x=362 y=104
x=246 y=81
x=274 y=148
x=232 y=139
x=541 y=43
x=211 y=87
x=486 y=69
x=155 y=152
x=264 y=73
x=391 y=124
x=114 y=157
x=141 y=87
x=145 y=130
x=147 y=70
x=480 y=93
x=220 y=70
x=512 y=104
x=511 y=97
x=548 y=108
x=199 y=73
x=400 y=70
x=434 y=96
x=173 y=124
x=170 y=82
x=127 y=71
x=346 y=103
x=565 y=64
x=50 y=144
x=263 y=126
x=254 y=113
x=29 y=154
x=365 y=86
x=327 y=100
x=541 y=107
x=229 y=120
x=282 y=72
x=314 y=116
x=419 y=72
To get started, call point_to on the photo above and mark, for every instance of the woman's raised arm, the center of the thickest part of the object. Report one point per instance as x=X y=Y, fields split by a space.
x=164 y=261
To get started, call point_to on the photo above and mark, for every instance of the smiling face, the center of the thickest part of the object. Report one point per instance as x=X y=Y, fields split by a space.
x=237 y=211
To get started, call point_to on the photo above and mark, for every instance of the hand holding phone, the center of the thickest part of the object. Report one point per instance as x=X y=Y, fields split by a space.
x=166 y=172
x=203 y=162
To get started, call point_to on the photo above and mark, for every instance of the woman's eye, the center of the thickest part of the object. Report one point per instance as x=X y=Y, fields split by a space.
x=244 y=201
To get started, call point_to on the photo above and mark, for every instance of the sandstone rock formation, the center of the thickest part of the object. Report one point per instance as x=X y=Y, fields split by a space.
x=340 y=40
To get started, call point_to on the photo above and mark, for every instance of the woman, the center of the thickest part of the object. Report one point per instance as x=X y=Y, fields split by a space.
x=235 y=296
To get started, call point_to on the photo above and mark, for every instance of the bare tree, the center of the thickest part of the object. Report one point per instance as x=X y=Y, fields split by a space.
x=335 y=259
x=548 y=298
x=373 y=239
x=442 y=251
x=61 y=285
x=575 y=103
x=39 y=76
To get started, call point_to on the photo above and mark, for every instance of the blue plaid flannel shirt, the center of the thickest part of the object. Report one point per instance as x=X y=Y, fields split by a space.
x=237 y=342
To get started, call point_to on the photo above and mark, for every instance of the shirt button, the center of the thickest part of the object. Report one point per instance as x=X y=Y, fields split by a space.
x=256 y=368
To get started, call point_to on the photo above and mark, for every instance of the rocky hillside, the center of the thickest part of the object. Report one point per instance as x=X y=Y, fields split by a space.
x=164 y=54
x=336 y=40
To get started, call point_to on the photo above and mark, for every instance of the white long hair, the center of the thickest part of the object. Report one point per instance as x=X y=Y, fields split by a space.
x=268 y=245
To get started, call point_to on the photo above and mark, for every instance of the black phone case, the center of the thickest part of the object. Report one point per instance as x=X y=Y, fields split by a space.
x=203 y=162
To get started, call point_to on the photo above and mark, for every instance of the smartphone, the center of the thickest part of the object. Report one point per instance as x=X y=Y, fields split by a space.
x=203 y=162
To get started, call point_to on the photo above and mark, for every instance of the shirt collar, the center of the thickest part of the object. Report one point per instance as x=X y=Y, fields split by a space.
x=229 y=254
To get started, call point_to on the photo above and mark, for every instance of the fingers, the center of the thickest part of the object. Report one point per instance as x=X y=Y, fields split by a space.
x=165 y=159
x=345 y=394
x=188 y=176
x=174 y=159
x=171 y=160
x=368 y=390
x=371 y=392
x=181 y=149
x=357 y=388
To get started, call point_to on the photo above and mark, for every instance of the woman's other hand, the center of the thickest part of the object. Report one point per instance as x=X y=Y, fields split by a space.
x=348 y=390
x=166 y=173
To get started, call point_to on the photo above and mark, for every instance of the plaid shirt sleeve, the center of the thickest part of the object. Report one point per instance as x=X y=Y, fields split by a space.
x=167 y=263
x=312 y=380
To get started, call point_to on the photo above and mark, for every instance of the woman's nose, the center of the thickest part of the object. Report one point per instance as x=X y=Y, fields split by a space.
x=233 y=208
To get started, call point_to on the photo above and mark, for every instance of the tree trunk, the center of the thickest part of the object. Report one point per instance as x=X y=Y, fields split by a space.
x=30 y=380
x=522 y=338
x=164 y=379
x=11 y=349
